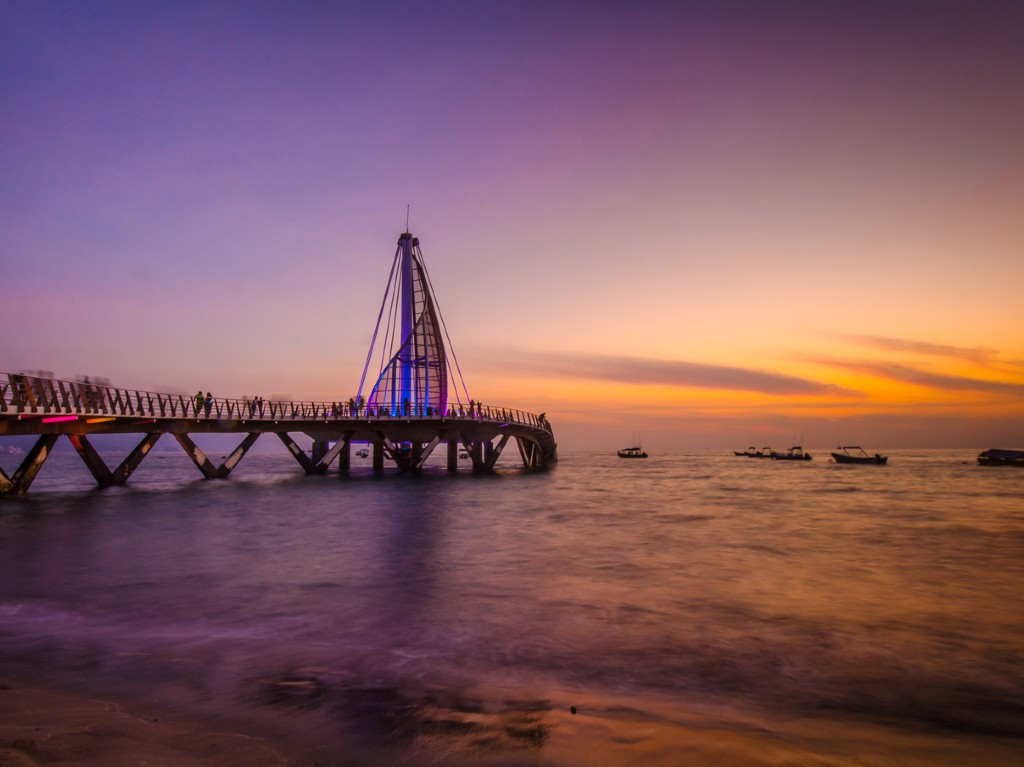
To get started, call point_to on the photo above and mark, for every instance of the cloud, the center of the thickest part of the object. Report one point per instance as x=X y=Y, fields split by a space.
x=918 y=377
x=647 y=371
x=978 y=354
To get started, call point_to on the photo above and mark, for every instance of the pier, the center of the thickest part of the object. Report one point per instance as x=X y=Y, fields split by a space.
x=418 y=401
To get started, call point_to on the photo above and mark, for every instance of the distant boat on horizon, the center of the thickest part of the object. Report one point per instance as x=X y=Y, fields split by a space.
x=795 y=453
x=753 y=452
x=632 y=452
x=857 y=454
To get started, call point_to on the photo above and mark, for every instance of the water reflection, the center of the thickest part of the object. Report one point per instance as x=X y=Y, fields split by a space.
x=473 y=611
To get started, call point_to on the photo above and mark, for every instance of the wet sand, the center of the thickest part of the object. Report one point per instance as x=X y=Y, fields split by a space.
x=43 y=727
x=40 y=726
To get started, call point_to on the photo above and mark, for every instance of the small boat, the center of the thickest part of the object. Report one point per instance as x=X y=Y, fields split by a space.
x=857 y=454
x=632 y=452
x=362 y=452
x=999 y=457
x=753 y=452
x=795 y=453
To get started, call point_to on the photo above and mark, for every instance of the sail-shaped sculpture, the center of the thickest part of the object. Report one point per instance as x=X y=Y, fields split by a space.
x=413 y=379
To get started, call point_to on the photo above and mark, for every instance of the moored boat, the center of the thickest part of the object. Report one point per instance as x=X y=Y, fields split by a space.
x=632 y=452
x=753 y=452
x=857 y=454
x=1000 y=457
x=795 y=453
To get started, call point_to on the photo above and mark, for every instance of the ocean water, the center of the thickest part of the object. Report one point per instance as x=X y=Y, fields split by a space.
x=693 y=608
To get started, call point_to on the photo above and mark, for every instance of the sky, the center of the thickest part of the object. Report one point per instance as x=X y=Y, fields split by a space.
x=693 y=224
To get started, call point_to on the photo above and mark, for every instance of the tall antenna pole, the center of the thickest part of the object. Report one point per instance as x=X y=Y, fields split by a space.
x=406 y=361
x=407 y=217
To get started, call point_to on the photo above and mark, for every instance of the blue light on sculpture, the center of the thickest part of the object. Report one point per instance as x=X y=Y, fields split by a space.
x=414 y=374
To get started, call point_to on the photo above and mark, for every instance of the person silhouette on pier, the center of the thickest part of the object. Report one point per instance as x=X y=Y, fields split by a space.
x=209 y=404
x=199 y=401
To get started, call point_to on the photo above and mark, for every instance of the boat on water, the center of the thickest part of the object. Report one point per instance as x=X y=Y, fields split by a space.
x=857 y=454
x=795 y=453
x=753 y=452
x=632 y=452
x=999 y=457
x=362 y=452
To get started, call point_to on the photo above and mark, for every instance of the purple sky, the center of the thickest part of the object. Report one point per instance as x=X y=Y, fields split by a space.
x=741 y=202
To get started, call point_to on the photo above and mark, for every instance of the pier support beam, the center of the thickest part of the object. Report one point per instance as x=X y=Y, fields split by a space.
x=205 y=465
x=378 y=456
x=453 y=455
x=427 y=449
x=300 y=455
x=129 y=464
x=413 y=458
x=474 y=451
x=493 y=452
x=198 y=456
x=320 y=448
x=237 y=455
x=530 y=452
x=323 y=461
x=403 y=460
x=19 y=482
x=345 y=457
x=100 y=472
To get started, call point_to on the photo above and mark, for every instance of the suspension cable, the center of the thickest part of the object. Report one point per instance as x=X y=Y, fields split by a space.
x=444 y=327
x=373 y=341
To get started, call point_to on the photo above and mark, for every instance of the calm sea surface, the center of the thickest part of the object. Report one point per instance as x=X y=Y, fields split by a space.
x=694 y=608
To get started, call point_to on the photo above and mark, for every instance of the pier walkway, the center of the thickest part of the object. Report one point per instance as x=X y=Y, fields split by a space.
x=50 y=408
x=416 y=401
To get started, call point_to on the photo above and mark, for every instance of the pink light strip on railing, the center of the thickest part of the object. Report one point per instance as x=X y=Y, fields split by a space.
x=58 y=418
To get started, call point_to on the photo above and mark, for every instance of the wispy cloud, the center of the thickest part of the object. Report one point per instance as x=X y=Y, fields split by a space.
x=925 y=378
x=978 y=354
x=641 y=370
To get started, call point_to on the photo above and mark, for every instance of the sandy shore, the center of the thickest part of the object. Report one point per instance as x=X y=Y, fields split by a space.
x=43 y=727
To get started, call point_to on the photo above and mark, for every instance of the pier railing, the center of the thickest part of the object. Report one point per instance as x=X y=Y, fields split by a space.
x=54 y=399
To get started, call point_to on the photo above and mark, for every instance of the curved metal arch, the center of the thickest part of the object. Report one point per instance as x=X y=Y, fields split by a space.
x=415 y=379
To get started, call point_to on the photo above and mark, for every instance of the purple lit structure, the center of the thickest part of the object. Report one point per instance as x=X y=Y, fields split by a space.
x=414 y=375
